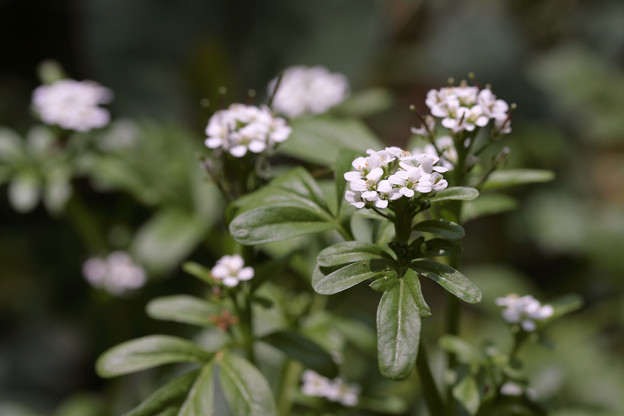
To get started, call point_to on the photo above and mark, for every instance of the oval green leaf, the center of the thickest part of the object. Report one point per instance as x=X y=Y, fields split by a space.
x=457 y=193
x=513 y=177
x=247 y=391
x=304 y=350
x=349 y=275
x=183 y=308
x=168 y=399
x=147 y=352
x=443 y=228
x=450 y=279
x=398 y=328
x=349 y=252
x=275 y=223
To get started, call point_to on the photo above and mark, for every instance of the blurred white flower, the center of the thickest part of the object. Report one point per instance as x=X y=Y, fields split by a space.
x=230 y=271
x=308 y=90
x=511 y=389
x=464 y=108
x=115 y=273
x=72 y=105
x=390 y=174
x=242 y=128
x=524 y=310
x=336 y=390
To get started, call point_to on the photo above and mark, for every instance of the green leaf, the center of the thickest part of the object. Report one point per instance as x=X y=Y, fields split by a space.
x=275 y=223
x=349 y=275
x=437 y=247
x=457 y=193
x=513 y=177
x=247 y=391
x=365 y=103
x=443 y=228
x=198 y=271
x=11 y=145
x=200 y=399
x=24 y=192
x=398 y=327
x=487 y=204
x=450 y=279
x=167 y=238
x=304 y=350
x=343 y=164
x=183 y=308
x=464 y=352
x=349 y=252
x=147 y=352
x=467 y=392
x=566 y=304
x=166 y=401
x=319 y=139
x=384 y=283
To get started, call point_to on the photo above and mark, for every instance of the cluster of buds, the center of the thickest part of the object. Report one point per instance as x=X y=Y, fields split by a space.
x=335 y=390
x=465 y=108
x=307 y=91
x=390 y=174
x=116 y=273
x=242 y=128
x=72 y=105
x=230 y=270
x=525 y=311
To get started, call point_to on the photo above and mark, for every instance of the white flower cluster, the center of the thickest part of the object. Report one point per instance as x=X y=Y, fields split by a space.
x=308 y=90
x=524 y=310
x=243 y=128
x=115 y=273
x=465 y=108
x=390 y=174
x=230 y=271
x=448 y=153
x=336 y=390
x=72 y=105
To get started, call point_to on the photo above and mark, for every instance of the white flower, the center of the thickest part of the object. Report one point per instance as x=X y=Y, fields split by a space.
x=336 y=390
x=343 y=393
x=511 y=389
x=229 y=270
x=390 y=174
x=242 y=128
x=115 y=273
x=524 y=310
x=492 y=107
x=308 y=90
x=72 y=105
x=315 y=384
x=448 y=156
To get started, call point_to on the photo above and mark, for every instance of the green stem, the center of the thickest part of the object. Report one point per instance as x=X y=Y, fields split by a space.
x=244 y=317
x=432 y=396
x=289 y=377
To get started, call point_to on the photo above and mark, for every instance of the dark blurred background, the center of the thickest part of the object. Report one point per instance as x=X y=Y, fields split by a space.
x=560 y=61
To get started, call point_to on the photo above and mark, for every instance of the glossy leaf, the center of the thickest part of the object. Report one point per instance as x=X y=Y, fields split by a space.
x=457 y=193
x=275 y=223
x=450 y=279
x=398 y=327
x=200 y=398
x=443 y=228
x=183 y=308
x=319 y=139
x=147 y=352
x=438 y=247
x=167 y=400
x=513 y=177
x=304 y=350
x=247 y=391
x=349 y=252
x=487 y=204
x=349 y=275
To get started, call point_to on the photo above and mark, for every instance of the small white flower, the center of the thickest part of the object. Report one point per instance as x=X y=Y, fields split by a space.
x=511 y=389
x=72 y=105
x=115 y=273
x=242 y=128
x=230 y=271
x=525 y=311
x=308 y=90
x=315 y=384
